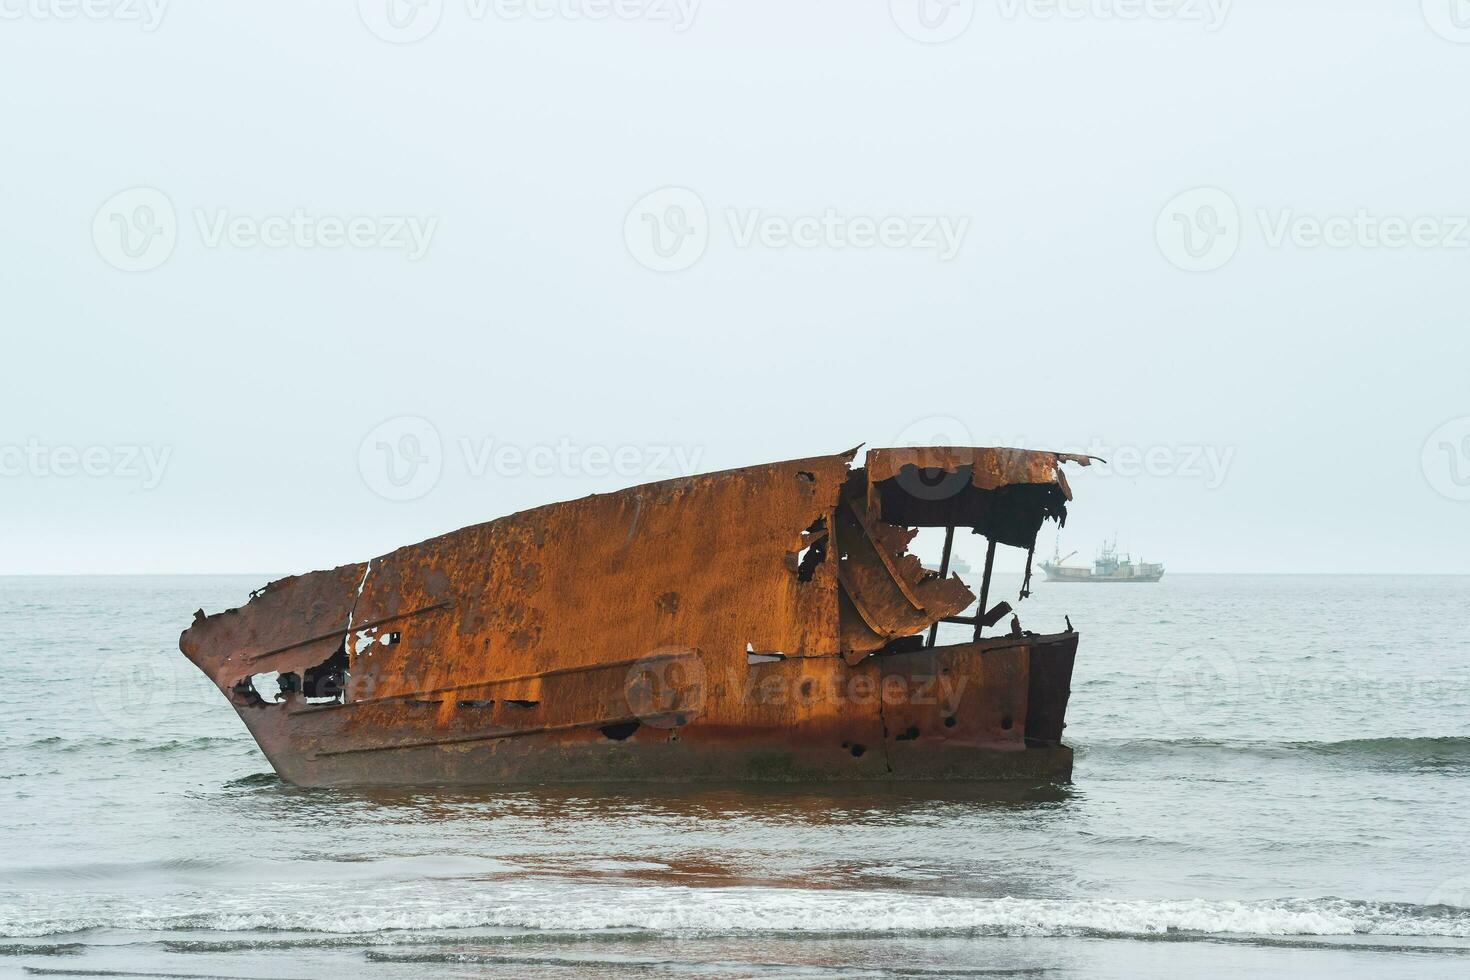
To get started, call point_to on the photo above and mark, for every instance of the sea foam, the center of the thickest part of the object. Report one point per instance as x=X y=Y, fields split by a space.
x=738 y=911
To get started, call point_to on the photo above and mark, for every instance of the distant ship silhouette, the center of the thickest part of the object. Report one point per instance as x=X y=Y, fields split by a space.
x=1107 y=567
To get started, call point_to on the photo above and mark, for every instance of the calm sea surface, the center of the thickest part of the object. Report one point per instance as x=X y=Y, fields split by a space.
x=1273 y=776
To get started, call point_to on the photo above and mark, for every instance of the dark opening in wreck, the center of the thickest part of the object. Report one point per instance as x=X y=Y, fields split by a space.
x=764 y=623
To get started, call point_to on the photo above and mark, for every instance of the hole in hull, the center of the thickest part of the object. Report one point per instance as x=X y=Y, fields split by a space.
x=621 y=731
x=813 y=554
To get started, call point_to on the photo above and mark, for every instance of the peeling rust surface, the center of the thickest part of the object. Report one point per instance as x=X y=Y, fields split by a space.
x=989 y=469
x=732 y=625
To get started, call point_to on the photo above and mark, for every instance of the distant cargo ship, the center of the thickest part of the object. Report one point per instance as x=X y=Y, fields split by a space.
x=1107 y=567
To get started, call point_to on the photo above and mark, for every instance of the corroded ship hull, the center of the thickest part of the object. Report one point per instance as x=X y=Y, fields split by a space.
x=765 y=623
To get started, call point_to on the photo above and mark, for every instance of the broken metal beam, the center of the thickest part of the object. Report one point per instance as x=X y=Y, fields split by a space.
x=943 y=573
x=985 y=585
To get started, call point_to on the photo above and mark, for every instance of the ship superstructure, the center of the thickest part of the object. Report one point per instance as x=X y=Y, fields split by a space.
x=1107 y=567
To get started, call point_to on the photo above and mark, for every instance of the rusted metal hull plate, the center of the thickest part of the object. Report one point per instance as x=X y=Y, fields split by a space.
x=959 y=712
x=625 y=630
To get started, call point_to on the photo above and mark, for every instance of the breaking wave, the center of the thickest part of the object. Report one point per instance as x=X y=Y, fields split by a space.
x=795 y=913
x=66 y=746
x=1407 y=754
x=41 y=949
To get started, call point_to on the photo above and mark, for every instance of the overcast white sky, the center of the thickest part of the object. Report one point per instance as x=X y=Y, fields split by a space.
x=388 y=262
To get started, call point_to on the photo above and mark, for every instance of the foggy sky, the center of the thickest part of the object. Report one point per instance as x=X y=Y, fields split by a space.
x=1302 y=405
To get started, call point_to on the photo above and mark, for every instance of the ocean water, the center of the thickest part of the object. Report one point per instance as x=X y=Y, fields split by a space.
x=1272 y=777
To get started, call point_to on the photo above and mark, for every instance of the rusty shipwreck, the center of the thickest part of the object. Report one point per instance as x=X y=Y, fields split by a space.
x=764 y=623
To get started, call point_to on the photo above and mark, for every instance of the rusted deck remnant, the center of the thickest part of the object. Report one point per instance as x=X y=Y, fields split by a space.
x=759 y=623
